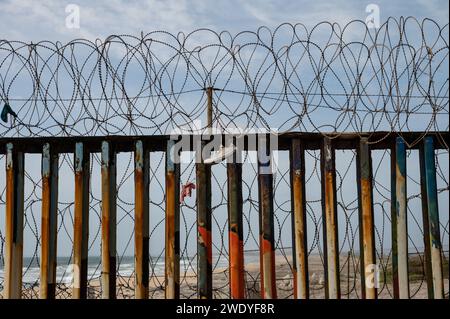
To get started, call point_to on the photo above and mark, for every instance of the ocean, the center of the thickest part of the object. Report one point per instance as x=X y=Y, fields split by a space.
x=125 y=266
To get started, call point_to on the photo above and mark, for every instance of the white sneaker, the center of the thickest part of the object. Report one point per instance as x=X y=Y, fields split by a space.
x=220 y=155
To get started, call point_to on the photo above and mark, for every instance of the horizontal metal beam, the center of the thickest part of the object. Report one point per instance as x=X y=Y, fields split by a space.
x=311 y=141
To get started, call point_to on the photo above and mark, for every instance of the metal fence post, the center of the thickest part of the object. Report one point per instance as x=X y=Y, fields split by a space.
x=235 y=231
x=204 y=242
x=401 y=219
x=329 y=207
x=266 y=212
x=49 y=222
x=365 y=204
x=172 y=236
x=434 y=239
x=109 y=215
x=81 y=222
x=425 y=222
x=14 y=222
x=299 y=229
x=141 y=222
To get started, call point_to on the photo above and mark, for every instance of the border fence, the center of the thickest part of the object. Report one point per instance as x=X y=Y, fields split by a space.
x=355 y=207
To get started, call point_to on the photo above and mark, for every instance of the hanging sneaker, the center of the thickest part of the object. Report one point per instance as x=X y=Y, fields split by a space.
x=220 y=155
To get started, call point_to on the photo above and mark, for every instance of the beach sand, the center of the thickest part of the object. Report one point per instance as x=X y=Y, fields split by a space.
x=350 y=285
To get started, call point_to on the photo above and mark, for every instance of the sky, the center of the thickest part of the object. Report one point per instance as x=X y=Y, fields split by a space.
x=29 y=20
x=33 y=21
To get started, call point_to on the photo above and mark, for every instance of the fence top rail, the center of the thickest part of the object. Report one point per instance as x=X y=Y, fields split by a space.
x=311 y=141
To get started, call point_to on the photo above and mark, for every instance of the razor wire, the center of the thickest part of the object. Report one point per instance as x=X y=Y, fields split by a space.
x=328 y=78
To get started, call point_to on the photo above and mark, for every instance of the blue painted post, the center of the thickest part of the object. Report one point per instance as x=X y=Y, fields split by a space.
x=429 y=173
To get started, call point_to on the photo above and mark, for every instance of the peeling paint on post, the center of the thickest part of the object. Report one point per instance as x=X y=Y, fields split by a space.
x=49 y=222
x=235 y=231
x=141 y=221
x=401 y=219
x=429 y=172
x=365 y=204
x=204 y=243
x=299 y=238
x=266 y=212
x=14 y=223
x=81 y=222
x=172 y=251
x=329 y=207
x=426 y=225
x=109 y=216
x=394 y=223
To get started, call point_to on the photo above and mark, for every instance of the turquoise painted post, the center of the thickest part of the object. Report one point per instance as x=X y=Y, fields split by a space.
x=433 y=217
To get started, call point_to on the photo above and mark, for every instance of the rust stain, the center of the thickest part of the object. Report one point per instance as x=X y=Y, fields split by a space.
x=205 y=240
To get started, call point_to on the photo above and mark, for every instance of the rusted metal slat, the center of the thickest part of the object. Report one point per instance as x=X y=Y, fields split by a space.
x=235 y=231
x=401 y=219
x=426 y=225
x=266 y=213
x=434 y=238
x=109 y=215
x=299 y=240
x=14 y=223
x=49 y=222
x=394 y=222
x=172 y=251
x=81 y=222
x=367 y=249
x=141 y=221
x=329 y=207
x=204 y=242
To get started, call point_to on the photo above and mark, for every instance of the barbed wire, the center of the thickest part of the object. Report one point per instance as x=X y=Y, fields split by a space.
x=328 y=78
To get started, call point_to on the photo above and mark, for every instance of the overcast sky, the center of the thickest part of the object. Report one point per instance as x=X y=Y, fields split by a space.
x=30 y=20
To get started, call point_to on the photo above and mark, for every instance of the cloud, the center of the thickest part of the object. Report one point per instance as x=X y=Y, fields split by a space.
x=30 y=20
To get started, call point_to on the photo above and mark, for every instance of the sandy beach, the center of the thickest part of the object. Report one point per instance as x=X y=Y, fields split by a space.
x=350 y=283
